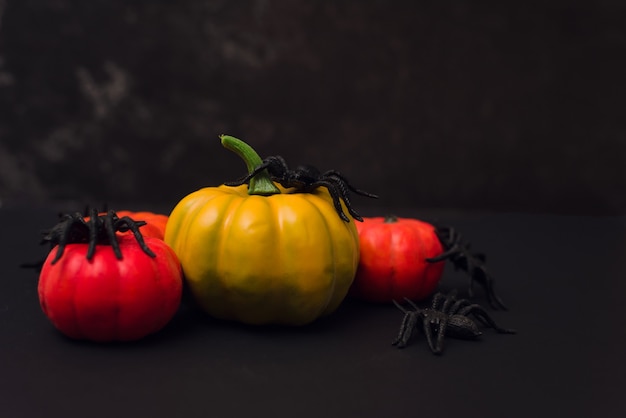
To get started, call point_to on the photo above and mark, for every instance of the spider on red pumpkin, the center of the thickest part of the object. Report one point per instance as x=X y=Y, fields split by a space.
x=447 y=315
x=458 y=252
x=305 y=179
x=73 y=228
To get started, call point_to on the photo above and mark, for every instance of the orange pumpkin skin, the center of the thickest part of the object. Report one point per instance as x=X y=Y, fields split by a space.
x=155 y=223
x=392 y=264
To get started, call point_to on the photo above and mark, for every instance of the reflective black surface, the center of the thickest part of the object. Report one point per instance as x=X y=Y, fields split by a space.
x=563 y=278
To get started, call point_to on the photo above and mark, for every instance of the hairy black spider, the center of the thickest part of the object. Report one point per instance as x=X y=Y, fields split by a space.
x=447 y=315
x=458 y=252
x=306 y=178
x=73 y=228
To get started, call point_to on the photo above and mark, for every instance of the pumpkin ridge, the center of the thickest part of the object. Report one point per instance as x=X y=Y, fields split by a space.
x=225 y=222
x=313 y=201
x=319 y=200
x=73 y=297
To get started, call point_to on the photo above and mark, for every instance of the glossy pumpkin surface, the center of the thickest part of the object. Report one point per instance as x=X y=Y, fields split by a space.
x=108 y=299
x=393 y=262
x=287 y=258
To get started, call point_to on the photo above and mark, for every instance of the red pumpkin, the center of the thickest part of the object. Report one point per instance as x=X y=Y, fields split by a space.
x=110 y=299
x=393 y=262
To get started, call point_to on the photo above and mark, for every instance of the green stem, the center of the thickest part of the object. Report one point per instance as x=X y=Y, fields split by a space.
x=390 y=219
x=261 y=183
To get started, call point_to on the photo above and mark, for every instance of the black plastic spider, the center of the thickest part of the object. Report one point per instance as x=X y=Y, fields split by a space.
x=458 y=252
x=73 y=228
x=306 y=178
x=447 y=315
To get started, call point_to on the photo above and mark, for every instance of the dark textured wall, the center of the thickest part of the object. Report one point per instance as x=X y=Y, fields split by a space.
x=484 y=105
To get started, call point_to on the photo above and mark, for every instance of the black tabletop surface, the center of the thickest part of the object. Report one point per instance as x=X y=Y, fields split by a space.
x=562 y=277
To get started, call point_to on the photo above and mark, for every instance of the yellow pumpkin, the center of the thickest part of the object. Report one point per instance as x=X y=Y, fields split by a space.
x=281 y=258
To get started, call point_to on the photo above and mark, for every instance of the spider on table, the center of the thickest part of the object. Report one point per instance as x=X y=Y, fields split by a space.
x=447 y=316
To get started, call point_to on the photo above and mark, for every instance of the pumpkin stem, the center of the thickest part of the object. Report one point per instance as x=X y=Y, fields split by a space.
x=260 y=183
x=390 y=219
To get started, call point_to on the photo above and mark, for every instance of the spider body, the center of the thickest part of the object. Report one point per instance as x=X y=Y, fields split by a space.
x=73 y=228
x=447 y=316
x=305 y=179
x=458 y=252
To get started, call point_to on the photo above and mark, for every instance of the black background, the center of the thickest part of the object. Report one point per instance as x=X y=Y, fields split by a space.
x=455 y=104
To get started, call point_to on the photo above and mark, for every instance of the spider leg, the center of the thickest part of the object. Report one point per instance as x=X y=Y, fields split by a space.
x=470 y=289
x=482 y=315
x=246 y=179
x=336 y=198
x=436 y=299
x=410 y=302
x=406 y=330
x=109 y=227
x=436 y=346
x=93 y=233
x=467 y=263
x=70 y=220
x=472 y=263
x=127 y=223
x=494 y=300
x=402 y=308
x=479 y=274
x=448 y=236
x=341 y=191
x=458 y=304
x=407 y=326
x=447 y=300
x=345 y=195
x=450 y=253
x=451 y=242
x=334 y=173
x=241 y=180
